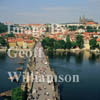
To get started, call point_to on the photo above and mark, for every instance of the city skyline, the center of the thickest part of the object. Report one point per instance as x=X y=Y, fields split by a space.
x=48 y=11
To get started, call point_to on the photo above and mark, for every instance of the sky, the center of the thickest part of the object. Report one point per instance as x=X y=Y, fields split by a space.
x=48 y=11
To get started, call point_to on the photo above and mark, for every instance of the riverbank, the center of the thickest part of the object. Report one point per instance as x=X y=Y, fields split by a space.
x=3 y=50
x=73 y=50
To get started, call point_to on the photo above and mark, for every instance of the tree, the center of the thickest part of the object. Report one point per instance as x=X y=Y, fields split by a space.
x=48 y=43
x=31 y=38
x=81 y=27
x=10 y=35
x=6 y=99
x=93 y=43
x=3 y=28
x=17 y=94
x=68 y=42
x=74 y=44
x=99 y=27
x=91 y=29
x=80 y=41
x=60 y=44
x=3 y=42
x=72 y=28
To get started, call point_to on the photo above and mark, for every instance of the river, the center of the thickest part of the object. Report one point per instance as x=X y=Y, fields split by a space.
x=8 y=65
x=84 y=64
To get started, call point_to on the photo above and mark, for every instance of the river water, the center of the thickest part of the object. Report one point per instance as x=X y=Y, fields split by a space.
x=8 y=65
x=84 y=64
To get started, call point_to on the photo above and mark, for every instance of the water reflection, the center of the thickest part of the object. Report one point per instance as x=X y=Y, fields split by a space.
x=92 y=58
x=85 y=64
x=77 y=56
x=2 y=55
x=68 y=56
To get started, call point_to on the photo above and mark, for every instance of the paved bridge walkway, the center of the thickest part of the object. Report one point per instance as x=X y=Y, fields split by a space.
x=42 y=90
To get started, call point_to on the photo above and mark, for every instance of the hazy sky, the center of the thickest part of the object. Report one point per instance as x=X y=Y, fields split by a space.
x=48 y=11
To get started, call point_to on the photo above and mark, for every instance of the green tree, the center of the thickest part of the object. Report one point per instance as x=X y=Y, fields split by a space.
x=93 y=43
x=68 y=42
x=60 y=44
x=80 y=41
x=3 y=42
x=91 y=29
x=31 y=38
x=6 y=99
x=3 y=28
x=17 y=94
x=81 y=27
x=74 y=44
x=10 y=35
x=72 y=28
x=48 y=43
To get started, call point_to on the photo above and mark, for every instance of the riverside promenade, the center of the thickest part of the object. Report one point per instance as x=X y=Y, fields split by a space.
x=41 y=90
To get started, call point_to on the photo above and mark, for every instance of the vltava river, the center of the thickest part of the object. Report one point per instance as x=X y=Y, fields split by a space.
x=87 y=66
x=8 y=65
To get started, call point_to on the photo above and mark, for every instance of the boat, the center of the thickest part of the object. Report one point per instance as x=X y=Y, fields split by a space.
x=21 y=63
x=20 y=69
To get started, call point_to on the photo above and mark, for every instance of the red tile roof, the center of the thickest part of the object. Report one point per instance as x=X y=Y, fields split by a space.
x=52 y=36
x=11 y=41
x=98 y=40
x=90 y=23
x=58 y=38
x=29 y=41
x=19 y=39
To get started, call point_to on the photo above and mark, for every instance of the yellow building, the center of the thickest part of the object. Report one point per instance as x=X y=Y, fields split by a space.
x=20 y=42
x=30 y=43
x=86 y=44
x=12 y=43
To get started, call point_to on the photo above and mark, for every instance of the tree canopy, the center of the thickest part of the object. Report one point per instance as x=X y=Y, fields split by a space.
x=2 y=41
x=3 y=28
x=68 y=42
x=48 y=43
x=93 y=43
x=60 y=44
x=17 y=94
x=80 y=41
x=91 y=29
x=72 y=28
x=81 y=27
x=10 y=35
